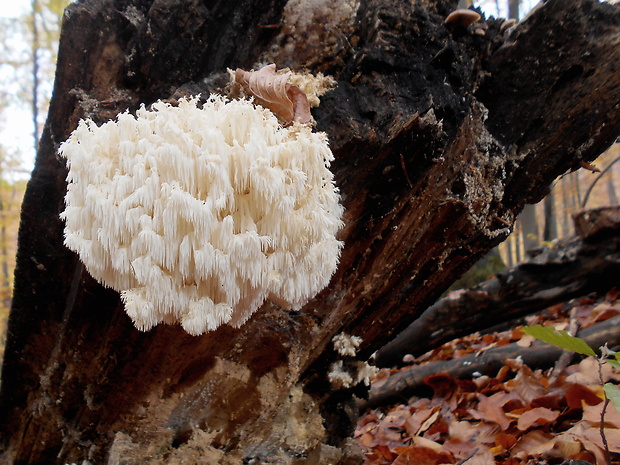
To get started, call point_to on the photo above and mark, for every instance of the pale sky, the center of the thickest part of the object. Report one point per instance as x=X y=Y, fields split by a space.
x=13 y=8
x=15 y=123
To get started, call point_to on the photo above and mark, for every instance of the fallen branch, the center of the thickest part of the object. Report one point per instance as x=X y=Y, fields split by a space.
x=571 y=268
x=400 y=386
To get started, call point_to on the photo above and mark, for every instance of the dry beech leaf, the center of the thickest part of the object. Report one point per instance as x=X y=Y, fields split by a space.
x=591 y=439
x=566 y=447
x=384 y=452
x=424 y=442
x=526 y=340
x=428 y=422
x=419 y=455
x=505 y=440
x=443 y=385
x=527 y=385
x=588 y=372
x=536 y=416
x=460 y=449
x=477 y=433
x=418 y=418
x=490 y=409
x=367 y=440
x=592 y=414
x=287 y=102
x=484 y=457
x=578 y=395
x=533 y=443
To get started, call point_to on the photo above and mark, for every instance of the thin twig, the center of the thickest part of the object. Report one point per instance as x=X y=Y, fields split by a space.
x=605 y=404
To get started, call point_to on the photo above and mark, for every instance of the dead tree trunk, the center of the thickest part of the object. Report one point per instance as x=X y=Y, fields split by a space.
x=441 y=134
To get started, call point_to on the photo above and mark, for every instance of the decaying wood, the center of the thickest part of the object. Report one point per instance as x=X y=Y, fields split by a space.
x=400 y=386
x=571 y=268
x=440 y=137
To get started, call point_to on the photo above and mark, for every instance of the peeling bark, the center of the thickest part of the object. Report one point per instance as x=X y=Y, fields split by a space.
x=440 y=137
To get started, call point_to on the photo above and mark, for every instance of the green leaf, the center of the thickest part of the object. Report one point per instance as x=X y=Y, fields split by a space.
x=614 y=364
x=613 y=394
x=559 y=338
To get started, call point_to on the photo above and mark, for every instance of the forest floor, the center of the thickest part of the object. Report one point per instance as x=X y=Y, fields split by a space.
x=517 y=416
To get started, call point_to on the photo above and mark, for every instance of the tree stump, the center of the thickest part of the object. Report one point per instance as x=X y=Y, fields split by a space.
x=441 y=134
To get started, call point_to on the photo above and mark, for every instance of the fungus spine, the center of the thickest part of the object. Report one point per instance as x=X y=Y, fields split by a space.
x=198 y=215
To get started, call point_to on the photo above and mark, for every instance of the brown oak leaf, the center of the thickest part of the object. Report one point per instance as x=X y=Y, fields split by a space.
x=272 y=91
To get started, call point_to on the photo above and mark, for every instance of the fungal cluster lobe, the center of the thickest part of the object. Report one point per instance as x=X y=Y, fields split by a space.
x=198 y=215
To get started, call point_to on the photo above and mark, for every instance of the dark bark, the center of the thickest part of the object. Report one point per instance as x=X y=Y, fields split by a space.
x=440 y=137
x=572 y=268
x=400 y=386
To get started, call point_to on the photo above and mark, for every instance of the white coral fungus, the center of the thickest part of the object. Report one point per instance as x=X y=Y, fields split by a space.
x=197 y=215
x=339 y=377
x=346 y=345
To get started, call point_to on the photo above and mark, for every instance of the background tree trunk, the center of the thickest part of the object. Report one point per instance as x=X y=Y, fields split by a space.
x=550 y=231
x=440 y=134
x=529 y=225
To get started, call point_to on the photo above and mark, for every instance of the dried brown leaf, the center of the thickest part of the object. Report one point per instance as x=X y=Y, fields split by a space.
x=271 y=90
x=566 y=447
x=384 y=452
x=587 y=372
x=416 y=455
x=526 y=340
x=592 y=414
x=510 y=461
x=367 y=440
x=424 y=442
x=551 y=401
x=461 y=449
x=490 y=409
x=443 y=385
x=397 y=417
x=535 y=442
x=418 y=418
x=578 y=395
x=536 y=417
x=590 y=438
x=528 y=385
x=505 y=440
x=426 y=424
x=478 y=433
x=483 y=457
